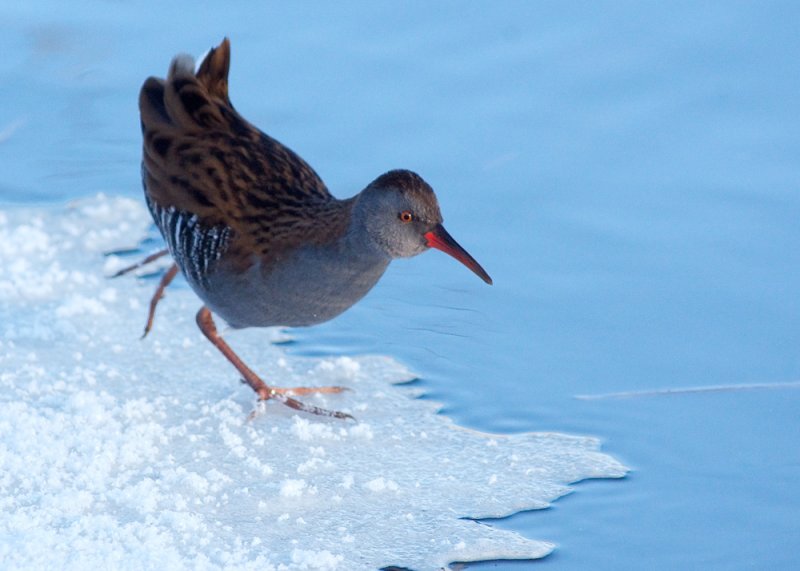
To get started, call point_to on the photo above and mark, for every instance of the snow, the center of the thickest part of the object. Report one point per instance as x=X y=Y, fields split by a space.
x=142 y=454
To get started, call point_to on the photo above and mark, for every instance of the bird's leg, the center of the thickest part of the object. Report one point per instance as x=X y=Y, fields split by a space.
x=166 y=279
x=159 y=293
x=151 y=258
x=264 y=392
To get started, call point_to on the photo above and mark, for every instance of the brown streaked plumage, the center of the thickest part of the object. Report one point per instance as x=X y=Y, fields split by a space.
x=201 y=156
x=253 y=228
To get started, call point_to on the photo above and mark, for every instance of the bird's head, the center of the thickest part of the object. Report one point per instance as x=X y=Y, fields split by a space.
x=401 y=216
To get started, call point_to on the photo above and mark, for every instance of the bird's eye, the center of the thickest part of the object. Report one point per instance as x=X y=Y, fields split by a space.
x=406 y=216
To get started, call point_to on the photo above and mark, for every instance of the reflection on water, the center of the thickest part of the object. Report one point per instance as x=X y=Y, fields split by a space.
x=626 y=173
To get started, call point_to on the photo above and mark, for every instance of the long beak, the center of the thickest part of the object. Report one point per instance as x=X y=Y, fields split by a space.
x=439 y=238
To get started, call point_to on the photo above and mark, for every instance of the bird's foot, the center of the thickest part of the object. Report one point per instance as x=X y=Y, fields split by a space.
x=279 y=395
x=264 y=391
x=297 y=391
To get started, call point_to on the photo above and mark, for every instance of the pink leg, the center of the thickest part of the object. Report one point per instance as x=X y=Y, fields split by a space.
x=166 y=279
x=264 y=392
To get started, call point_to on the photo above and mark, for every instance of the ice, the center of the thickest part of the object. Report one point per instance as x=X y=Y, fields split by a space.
x=129 y=454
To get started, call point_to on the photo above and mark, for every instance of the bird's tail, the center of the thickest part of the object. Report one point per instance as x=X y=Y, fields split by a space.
x=213 y=72
x=188 y=99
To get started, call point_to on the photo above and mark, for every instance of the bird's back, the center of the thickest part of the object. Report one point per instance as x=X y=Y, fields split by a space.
x=221 y=191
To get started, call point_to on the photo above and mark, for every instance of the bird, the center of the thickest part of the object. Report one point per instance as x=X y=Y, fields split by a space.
x=252 y=227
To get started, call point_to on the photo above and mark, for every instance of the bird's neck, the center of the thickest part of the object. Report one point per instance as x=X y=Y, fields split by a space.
x=357 y=239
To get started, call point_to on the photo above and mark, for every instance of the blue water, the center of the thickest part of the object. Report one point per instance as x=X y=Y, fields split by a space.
x=628 y=174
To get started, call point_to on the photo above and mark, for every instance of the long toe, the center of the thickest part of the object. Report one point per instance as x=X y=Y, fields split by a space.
x=299 y=391
x=309 y=408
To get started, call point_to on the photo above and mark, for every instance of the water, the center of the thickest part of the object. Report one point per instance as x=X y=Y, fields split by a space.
x=626 y=173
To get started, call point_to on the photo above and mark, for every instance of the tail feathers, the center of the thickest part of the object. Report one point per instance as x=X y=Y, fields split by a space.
x=213 y=72
x=181 y=65
x=188 y=99
x=151 y=103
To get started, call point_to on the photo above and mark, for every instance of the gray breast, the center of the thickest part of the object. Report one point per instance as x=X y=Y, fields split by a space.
x=311 y=285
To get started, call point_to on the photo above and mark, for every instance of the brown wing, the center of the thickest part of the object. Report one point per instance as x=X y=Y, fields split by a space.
x=202 y=158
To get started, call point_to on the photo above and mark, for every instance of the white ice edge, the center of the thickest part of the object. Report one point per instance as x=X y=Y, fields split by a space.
x=138 y=455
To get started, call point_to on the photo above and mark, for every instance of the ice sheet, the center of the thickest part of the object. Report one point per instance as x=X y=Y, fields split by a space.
x=139 y=454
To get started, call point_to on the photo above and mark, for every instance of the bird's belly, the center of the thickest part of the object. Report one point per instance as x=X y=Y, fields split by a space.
x=307 y=288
